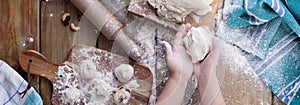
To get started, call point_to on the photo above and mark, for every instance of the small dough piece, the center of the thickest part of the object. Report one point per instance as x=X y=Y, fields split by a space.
x=177 y=10
x=72 y=95
x=87 y=70
x=100 y=89
x=121 y=97
x=124 y=72
x=198 y=43
x=133 y=84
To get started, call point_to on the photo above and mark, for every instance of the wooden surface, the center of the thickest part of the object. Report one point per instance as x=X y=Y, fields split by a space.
x=41 y=66
x=41 y=20
x=19 y=22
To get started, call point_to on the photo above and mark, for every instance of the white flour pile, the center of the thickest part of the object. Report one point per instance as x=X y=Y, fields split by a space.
x=86 y=85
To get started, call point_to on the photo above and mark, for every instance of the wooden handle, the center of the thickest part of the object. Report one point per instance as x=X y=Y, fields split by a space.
x=108 y=24
x=39 y=65
x=100 y=16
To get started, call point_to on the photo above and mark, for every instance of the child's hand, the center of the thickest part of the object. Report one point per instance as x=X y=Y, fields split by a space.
x=178 y=61
x=207 y=67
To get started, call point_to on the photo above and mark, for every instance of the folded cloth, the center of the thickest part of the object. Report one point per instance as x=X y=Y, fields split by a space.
x=272 y=48
x=253 y=39
x=257 y=12
x=293 y=6
x=12 y=84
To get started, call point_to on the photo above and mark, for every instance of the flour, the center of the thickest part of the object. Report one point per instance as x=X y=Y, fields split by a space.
x=133 y=84
x=72 y=94
x=121 y=97
x=101 y=90
x=124 y=72
x=73 y=87
x=87 y=70
x=177 y=10
x=198 y=43
x=84 y=85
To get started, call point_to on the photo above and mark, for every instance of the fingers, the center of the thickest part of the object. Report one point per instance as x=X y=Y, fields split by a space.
x=182 y=32
x=214 y=53
x=168 y=49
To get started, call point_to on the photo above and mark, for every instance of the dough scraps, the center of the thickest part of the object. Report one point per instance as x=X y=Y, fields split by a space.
x=72 y=94
x=177 y=10
x=198 y=43
x=122 y=96
x=124 y=72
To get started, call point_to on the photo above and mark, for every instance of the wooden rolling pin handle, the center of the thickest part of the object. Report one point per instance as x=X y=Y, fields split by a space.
x=39 y=65
x=108 y=24
x=133 y=50
x=100 y=16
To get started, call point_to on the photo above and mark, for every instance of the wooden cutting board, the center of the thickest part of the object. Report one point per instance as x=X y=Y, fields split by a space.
x=105 y=60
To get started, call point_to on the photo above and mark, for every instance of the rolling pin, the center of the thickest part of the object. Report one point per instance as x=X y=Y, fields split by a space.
x=108 y=24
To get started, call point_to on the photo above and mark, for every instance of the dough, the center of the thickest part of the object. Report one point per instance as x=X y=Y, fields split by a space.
x=133 y=84
x=177 y=10
x=87 y=70
x=100 y=90
x=198 y=43
x=121 y=97
x=124 y=73
x=72 y=95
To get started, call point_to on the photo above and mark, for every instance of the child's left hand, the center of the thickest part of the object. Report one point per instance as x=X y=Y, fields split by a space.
x=178 y=61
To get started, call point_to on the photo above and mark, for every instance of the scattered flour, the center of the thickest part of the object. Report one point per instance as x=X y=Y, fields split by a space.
x=121 y=97
x=85 y=84
x=133 y=84
x=72 y=94
x=87 y=70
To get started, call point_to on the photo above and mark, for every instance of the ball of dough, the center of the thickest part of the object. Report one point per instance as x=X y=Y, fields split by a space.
x=124 y=73
x=177 y=10
x=121 y=97
x=87 y=70
x=198 y=43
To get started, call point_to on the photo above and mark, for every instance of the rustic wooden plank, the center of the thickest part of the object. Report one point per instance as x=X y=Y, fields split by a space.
x=277 y=101
x=56 y=39
x=239 y=83
x=19 y=30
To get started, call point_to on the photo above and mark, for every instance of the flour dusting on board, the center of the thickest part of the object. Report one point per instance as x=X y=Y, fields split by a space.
x=89 y=79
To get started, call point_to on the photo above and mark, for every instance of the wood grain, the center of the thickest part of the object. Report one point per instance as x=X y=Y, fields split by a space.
x=23 y=18
x=39 y=64
x=56 y=39
x=19 y=22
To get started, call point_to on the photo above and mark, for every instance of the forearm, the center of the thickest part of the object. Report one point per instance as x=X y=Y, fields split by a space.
x=173 y=92
x=209 y=90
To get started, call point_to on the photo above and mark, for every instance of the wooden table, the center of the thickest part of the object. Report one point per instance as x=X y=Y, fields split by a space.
x=40 y=20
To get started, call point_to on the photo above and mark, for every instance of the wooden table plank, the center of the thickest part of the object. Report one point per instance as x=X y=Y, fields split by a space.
x=56 y=39
x=18 y=24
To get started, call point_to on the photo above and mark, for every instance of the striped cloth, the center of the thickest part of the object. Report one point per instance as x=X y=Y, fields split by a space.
x=257 y=12
x=11 y=84
x=269 y=40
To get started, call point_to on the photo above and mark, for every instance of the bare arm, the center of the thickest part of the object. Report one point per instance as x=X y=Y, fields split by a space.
x=208 y=85
x=180 y=67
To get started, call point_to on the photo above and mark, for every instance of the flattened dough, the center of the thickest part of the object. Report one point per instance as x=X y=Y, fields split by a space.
x=177 y=10
x=198 y=43
x=124 y=72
